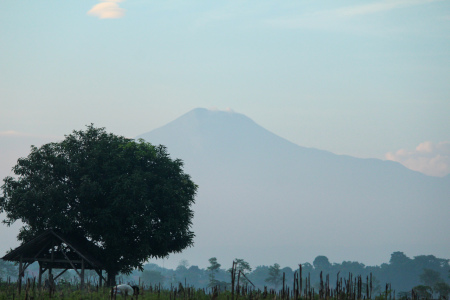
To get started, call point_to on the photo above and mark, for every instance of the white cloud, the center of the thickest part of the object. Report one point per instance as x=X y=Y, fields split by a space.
x=107 y=10
x=428 y=158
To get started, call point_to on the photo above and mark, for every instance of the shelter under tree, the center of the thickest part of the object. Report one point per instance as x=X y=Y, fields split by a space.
x=54 y=250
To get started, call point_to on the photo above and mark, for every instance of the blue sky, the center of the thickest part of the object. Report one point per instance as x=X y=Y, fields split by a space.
x=353 y=77
x=364 y=78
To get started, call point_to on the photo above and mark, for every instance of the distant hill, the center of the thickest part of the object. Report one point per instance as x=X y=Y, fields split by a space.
x=268 y=200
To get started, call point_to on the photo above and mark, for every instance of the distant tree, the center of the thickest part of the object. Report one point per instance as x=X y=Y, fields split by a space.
x=424 y=291
x=195 y=276
x=400 y=272
x=258 y=275
x=376 y=285
x=274 y=275
x=430 y=261
x=307 y=267
x=404 y=295
x=8 y=269
x=430 y=277
x=399 y=258
x=129 y=198
x=70 y=274
x=443 y=289
x=153 y=266
x=351 y=267
x=182 y=270
x=289 y=274
x=172 y=279
x=223 y=285
x=244 y=267
x=151 y=277
x=89 y=275
x=213 y=268
x=321 y=263
x=184 y=263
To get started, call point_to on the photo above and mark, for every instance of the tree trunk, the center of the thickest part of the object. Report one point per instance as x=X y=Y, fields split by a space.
x=111 y=278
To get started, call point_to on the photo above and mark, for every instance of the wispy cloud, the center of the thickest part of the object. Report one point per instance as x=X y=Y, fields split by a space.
x=227 y=11
x=325 y=18
x=228 y=109
x=19 y=134
x=107 y=9
x=428 y=158
x=377 y=7
x=12 y=133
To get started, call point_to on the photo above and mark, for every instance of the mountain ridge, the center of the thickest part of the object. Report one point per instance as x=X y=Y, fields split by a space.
x=203 y=115
x=248 y=174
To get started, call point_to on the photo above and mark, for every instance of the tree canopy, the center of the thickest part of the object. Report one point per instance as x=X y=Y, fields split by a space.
x=213 y=268
x=128 y=197
x=322 y=263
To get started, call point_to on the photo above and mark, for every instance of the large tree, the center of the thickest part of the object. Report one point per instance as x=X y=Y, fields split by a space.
x=128 y=197
x=213 y=268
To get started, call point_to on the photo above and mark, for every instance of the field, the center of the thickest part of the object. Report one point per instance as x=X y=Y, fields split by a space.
x=351 y=289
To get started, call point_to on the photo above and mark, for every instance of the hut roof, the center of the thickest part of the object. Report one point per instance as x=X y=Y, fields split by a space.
x=56 y=250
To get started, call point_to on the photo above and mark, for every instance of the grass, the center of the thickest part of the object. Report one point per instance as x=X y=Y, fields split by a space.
x=347 y=290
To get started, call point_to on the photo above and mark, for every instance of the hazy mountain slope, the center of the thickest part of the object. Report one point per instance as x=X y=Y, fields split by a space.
x=266 y=199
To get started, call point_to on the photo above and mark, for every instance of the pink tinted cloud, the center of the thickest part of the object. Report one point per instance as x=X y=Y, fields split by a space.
x=429 y=158
x=107 y=10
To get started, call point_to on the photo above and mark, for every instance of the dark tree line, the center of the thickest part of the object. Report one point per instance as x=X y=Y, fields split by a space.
x=425 y=273
x=402 y=272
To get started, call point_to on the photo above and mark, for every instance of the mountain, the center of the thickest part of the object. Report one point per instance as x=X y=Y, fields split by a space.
x=267 y=200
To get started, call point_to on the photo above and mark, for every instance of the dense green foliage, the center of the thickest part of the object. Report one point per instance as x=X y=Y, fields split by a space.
x=128 y=197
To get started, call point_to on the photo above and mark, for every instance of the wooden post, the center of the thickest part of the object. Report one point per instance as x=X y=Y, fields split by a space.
x=238 y=288
x=294 y=290
x=20 y=274
x=233 y=276
x=82 y=273
x=51 y=263
x=300 y=279
x=40 y=275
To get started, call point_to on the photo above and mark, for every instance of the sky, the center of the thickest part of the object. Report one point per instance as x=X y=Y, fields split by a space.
x=366 y=78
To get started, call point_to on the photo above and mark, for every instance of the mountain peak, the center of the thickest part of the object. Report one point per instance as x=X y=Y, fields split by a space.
x=210 y=130
x=204 y=114
x=214 y=110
